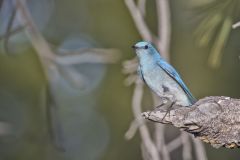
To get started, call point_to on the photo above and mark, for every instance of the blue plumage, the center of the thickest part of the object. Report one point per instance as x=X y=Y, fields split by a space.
x=160 y=76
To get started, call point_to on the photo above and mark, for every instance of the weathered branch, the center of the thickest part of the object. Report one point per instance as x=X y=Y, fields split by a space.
x=214 y=120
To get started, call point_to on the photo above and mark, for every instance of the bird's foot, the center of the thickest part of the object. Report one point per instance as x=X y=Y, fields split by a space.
x=171 y=104
x=164 y=103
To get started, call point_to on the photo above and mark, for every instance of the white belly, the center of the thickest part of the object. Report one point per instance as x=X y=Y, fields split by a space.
x=164 y=86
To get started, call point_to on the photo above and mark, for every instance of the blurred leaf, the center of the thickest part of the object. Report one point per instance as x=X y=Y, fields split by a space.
x=216 y=51
x=206 y=29
x=215 y=26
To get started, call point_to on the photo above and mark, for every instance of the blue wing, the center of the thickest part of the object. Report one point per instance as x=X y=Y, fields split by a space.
x=173 y=73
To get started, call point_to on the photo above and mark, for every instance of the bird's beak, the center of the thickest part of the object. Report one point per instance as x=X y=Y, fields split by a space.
x=134 y=47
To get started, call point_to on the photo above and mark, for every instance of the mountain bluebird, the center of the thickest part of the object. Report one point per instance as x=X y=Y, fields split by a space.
x=160 y=76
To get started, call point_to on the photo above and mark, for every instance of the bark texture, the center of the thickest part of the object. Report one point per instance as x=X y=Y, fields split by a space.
x=214 y=120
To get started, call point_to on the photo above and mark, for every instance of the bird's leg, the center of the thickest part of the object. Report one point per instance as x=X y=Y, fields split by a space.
x=164 y=102
x=169 y=108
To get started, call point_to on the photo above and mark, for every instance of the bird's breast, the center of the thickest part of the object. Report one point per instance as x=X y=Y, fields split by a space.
x=163 y=85
x=154 y=76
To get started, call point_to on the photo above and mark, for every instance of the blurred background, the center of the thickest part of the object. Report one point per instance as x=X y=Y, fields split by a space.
x=63 y=93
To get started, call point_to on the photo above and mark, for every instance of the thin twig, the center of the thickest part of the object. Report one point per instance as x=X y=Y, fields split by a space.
x=130 y=66
x=162 y=43
x=8 y=31
x=132 y=129
x=139 y=20
x=96 y=55
x=144 y=132
x=130 y=79
x=187 y=149
x=45 y=53
x=164 y=27
x=142 y=7
x=174 y=144
x=145 y=154
x=12 y=32
x=159 y=134
x=199 y=149
x=46 y=57
x=160 y=140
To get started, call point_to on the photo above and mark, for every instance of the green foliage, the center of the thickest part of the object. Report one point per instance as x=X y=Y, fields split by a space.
x=215 y=27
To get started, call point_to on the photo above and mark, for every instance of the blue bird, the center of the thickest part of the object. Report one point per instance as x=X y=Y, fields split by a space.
x=160 y=76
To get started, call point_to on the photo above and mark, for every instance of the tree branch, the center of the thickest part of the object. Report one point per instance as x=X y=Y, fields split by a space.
x=139 y=20
x=149 y=145
x=164 y=27
x=214 y=120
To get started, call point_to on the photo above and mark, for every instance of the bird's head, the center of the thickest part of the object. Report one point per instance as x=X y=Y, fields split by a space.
x=145 y=49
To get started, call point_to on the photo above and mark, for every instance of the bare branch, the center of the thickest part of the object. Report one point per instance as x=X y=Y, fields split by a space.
x=199 y=149
x=132 y=129
x=164 y=27
x=187 y=149
x=145 y=154
x=130 y=79
x=174 y=144
x=214 y=120
x=12 y=32
x=46 y=57
x=160 y=141
x=90 y=55
x=159 y=134
x=139 y=20
x=142 y=7
x=8 y=31
x=144 y=132
x=130 y=66
x=33 y=33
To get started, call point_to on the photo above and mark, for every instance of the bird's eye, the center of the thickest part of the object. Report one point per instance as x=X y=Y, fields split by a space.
x=146 y=47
